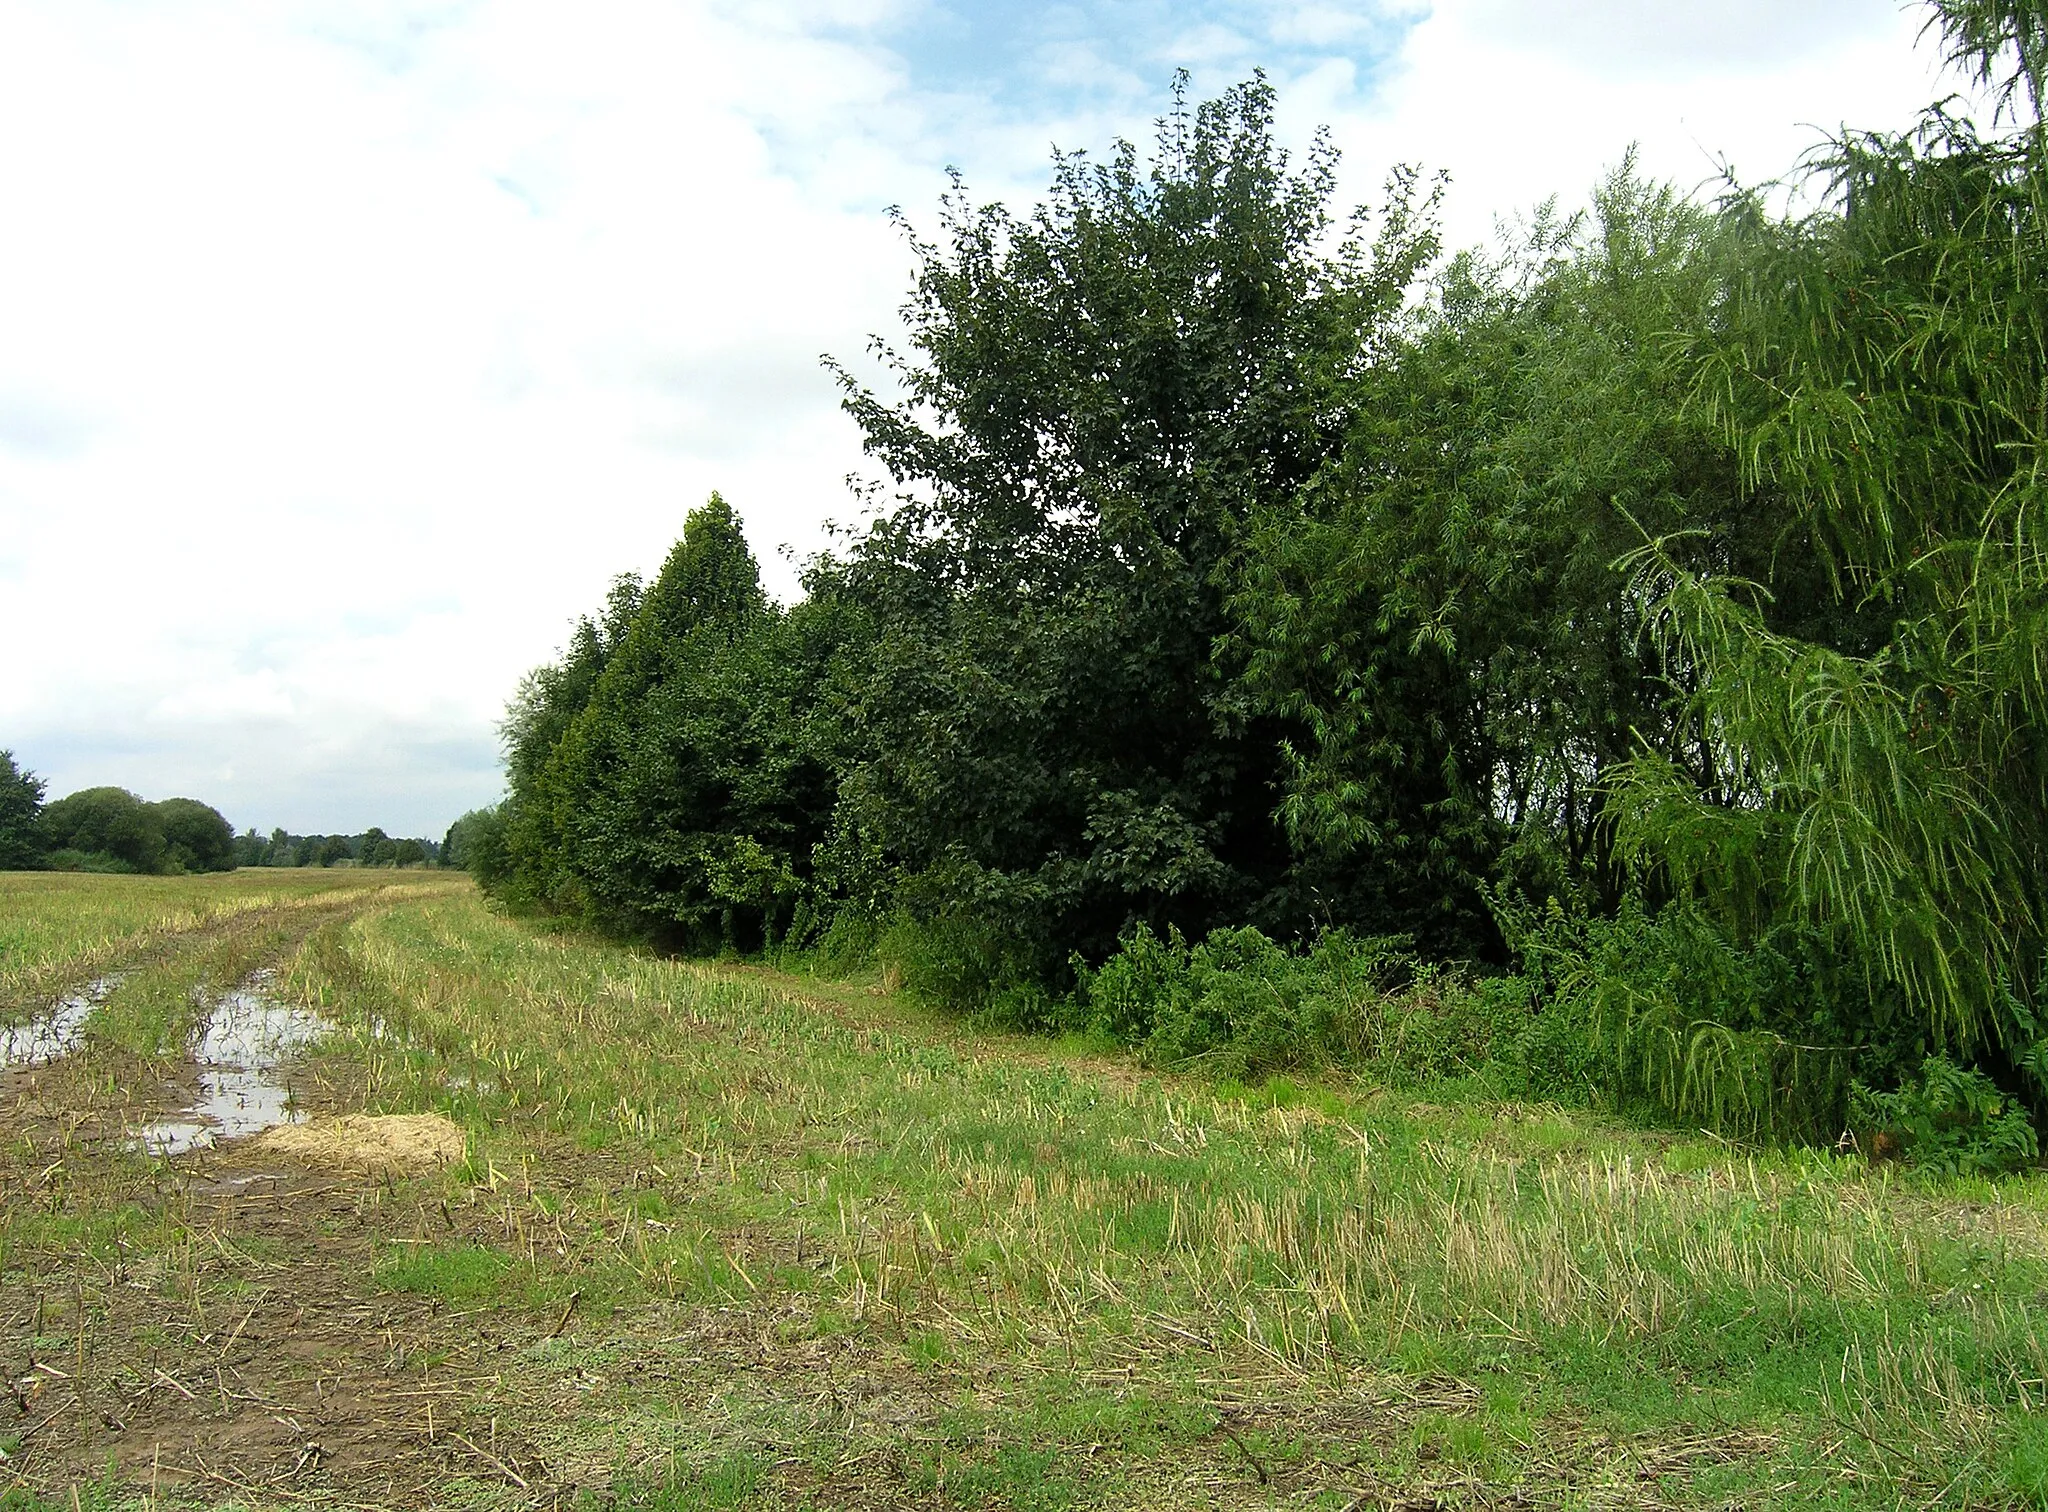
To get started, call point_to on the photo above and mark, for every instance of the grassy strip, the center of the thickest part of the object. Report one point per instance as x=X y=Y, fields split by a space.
x=1017 y=1230
x=59 y=928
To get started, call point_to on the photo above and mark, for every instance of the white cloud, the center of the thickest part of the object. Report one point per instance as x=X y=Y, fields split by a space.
x=1521 y=99
x=1679 y=37
x=349 y=347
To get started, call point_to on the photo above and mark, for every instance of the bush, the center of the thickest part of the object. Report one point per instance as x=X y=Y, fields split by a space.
x=196 y=836
x=1954 y=1119
x=106 y=821
x=1243 y=1007
x=962 y=960
x=1755 y=1038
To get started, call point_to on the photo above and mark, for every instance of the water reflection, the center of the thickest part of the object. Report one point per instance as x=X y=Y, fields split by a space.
x=52 y=1035
x=241 y=1051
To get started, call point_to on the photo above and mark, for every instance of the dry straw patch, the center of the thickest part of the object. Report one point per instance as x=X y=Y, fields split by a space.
x=398 y=1144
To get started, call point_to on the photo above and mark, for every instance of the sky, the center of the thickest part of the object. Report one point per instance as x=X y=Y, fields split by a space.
x=348 y=348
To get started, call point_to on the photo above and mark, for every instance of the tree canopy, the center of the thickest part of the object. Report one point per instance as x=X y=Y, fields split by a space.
x=1651 y=605
x=21 y=805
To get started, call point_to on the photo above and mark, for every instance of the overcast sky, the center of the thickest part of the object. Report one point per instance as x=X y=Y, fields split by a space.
x=349 y=347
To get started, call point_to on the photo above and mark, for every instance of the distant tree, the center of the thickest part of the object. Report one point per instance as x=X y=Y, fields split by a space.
x=280 y=849
x=306 y=851
x=408 y=853
x=251 y=849
x=106 y=823
x=197 y=836
x=21 y=803
x=335 y=848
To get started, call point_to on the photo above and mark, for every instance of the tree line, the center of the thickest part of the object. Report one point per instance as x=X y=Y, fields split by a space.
x=109 y=829
x=1643 y=615
x=106 y=829
x=371 y=848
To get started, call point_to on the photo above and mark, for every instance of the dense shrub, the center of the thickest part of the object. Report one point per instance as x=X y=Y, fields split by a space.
x=69 y=860
x=197 y=837
x=1241 y=1006
x=1951 y=1119
x=106 y=821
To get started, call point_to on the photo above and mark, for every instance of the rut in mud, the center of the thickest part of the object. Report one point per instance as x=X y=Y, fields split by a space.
x=236 y=1344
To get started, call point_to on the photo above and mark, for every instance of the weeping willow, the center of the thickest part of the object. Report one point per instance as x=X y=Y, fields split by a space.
x=1875 y=767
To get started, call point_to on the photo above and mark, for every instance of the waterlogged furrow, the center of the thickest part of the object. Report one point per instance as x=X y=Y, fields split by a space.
x=53 y=1033
x=243 y=1051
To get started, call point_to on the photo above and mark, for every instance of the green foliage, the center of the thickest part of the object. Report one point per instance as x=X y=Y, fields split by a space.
x=68 y=859
x=1052 y=737
x=1440 y=608
x=106 y=821
x=2002 y=43
x=21 y=805
x=197 y=837
x=109 y=829
x=1658 y=601
x=476 y=843
x=1954 y=1119
x=1879 y=367
x=682 y=796
x=1241 y=1007
x=1755 y=1042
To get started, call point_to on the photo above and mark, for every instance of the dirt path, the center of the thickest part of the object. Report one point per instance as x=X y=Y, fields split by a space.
x=209 y=1320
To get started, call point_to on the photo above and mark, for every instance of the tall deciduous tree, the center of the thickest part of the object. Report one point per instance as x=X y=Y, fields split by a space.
x=1881 y=366
x=1055 y=739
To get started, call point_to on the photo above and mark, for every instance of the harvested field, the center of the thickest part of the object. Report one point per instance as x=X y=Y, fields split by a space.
x=687 y=1235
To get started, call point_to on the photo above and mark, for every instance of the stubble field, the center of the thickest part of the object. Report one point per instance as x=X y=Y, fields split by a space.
x=727 y=1237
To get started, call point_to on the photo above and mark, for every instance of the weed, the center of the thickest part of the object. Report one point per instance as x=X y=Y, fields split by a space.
x=457 y=1273
x=736 y=1480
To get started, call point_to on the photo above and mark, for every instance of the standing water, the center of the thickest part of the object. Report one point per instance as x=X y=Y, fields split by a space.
x=53 y=1035
x=242 y=1051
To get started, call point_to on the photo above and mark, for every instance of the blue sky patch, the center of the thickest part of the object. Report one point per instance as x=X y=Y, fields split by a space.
x=1033 y=59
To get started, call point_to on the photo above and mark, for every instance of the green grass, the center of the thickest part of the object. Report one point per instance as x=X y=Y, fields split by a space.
x=58 y=928
x=978 y=1199
x=734 y=1481
x=777 y=1242
x=457 y=1273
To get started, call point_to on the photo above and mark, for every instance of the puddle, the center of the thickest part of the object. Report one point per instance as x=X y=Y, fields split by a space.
x=241 y=1052
x=52 y=1035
